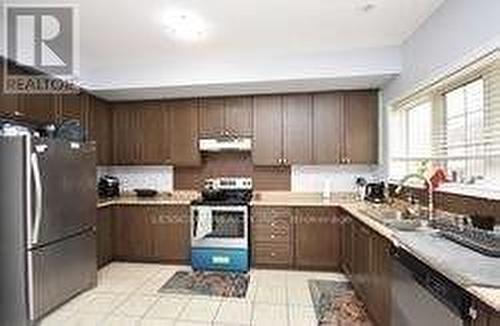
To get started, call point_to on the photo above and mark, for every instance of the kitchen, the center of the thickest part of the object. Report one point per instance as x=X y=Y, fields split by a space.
x=353 y=183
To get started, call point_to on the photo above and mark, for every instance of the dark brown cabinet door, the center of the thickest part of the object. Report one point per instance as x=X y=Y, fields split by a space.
x=317 y=238
x=126 y=134
x=132 y=233
x=38 y=107
x=104 y=236
x=268 y=131
x=327 y=128
x=297 y=129
x=100 y=116
x=8 y=102
x=361 y=127
x=212 y=117
x=184 y=133
x=74 y=107
x=154 y=122
x=171 y=233
x=238 y=116
x=347 y=243
x=141 y=133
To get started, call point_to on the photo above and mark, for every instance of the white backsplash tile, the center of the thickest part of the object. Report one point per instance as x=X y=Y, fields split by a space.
x=160 y=178
x=309 y=178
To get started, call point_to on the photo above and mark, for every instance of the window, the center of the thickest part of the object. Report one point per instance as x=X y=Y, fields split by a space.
x=463 y=143
x=410 y=139
x=455 y=128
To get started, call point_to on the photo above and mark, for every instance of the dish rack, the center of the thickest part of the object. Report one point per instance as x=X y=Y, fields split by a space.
x=482 y=241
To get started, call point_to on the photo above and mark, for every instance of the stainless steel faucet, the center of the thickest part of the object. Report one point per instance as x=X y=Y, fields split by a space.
x=430 y=190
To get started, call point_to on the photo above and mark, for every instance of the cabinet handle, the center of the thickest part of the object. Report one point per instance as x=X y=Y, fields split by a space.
x=273 y=254
x=272 y=236
x=279 y=161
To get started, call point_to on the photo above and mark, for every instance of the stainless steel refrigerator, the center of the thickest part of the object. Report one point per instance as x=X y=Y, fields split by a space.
x=47 y=224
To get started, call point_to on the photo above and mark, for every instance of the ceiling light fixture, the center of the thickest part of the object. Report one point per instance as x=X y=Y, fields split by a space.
x=367 y=7
x=185 y=25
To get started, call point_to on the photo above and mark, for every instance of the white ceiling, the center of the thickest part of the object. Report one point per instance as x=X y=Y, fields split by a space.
x=125 y=46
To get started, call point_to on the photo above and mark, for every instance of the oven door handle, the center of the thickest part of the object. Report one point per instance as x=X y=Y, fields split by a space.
x=195 y=226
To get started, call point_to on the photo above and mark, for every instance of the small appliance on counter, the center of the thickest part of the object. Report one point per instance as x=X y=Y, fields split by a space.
x=375 y=192
x=108 y=187
x=220 y=225
x=146 y=193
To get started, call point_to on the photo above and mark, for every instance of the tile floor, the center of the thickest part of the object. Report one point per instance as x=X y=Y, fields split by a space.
x=126 y=295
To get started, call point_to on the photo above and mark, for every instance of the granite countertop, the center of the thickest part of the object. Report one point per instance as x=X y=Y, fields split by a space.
x=297 y=199
x=474 y=272
x=173 y=198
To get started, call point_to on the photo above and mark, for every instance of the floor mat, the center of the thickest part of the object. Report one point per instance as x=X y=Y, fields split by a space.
x=220 y=284
x=335 y=303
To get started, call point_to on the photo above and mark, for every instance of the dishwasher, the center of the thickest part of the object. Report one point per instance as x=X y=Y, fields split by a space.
x=422 y=296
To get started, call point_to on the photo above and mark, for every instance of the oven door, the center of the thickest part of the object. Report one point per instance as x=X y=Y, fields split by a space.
x=219 y=227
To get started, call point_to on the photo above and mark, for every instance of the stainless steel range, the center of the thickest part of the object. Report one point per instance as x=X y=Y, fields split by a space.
x=220 y=225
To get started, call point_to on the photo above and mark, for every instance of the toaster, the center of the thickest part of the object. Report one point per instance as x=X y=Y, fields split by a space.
x=108 y=187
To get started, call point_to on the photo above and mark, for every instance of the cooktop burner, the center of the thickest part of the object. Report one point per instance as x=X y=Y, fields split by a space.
x=225 y=192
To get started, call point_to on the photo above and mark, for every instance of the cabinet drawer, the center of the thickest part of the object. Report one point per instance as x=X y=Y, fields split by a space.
x=268 y=214
x=272 y=254
x=268 y=233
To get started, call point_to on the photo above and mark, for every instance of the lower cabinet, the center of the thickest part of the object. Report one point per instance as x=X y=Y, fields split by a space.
x=272 y=236
x=104 y=236
x=170 y=233
x=317 y=238
x=485 y=316
x=132 y=233
x=367 y=262
x=151 y=233
x=295 y=237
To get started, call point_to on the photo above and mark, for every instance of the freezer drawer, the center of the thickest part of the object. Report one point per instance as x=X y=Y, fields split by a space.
x=60 y=271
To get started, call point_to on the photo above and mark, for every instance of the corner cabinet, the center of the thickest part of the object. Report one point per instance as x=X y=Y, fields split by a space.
x=104 y=236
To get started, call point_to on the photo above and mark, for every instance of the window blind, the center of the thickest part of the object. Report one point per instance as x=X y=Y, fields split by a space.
x=457 y=127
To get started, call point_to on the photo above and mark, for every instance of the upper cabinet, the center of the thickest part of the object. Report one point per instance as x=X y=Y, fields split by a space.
x=324 y=128
x=327 y=128
x=268 y=131
x=212 y=117
x=297 y=129
x=8 y=102
x=360 y=127
x=184 y=133
x=39 y=108
x=100 y=131
x=238 y=115
x=74 y=107
x=231 y=116
x=141 y=133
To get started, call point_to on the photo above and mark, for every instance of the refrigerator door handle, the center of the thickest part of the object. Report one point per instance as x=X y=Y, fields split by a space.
x=37 y=178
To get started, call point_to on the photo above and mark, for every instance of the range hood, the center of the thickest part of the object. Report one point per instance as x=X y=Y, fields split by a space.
x=225 y=144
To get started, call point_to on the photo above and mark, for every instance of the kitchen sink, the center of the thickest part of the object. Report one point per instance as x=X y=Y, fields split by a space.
x=393 y=218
